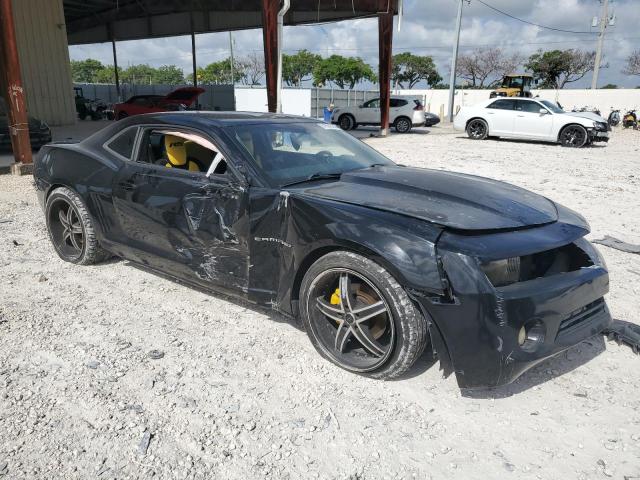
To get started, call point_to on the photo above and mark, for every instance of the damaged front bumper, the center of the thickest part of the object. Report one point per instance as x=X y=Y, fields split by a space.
x=478 y=332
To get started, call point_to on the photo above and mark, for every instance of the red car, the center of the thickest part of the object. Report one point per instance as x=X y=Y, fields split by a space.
x=179 y=99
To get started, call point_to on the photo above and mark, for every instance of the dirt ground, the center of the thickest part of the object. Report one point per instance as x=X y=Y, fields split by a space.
x=240 y=393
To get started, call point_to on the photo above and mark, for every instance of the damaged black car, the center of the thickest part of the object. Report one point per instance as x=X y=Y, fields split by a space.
x=378 y=260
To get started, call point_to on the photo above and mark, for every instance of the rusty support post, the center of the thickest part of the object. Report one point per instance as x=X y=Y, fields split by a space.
x=115 y=62
x=385 y=39
x=270 y=35
x=14 y=92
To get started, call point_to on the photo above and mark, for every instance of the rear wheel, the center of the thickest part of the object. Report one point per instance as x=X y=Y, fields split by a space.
x=71 y=229
x=403 y=125
x=358 y=317
x=346 y=122
x=574 y=136
x=477 y=129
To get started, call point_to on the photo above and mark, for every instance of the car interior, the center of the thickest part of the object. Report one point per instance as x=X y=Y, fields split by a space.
x=181 y=150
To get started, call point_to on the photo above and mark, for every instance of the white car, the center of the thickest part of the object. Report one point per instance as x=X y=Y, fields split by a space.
x=531 y=119
x=404 y=114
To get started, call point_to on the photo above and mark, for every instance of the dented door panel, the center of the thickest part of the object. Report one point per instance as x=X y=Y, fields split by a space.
x=195 y=223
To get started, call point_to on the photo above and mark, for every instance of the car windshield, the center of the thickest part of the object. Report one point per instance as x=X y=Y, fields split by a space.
x=552 y=106
x=288 y=153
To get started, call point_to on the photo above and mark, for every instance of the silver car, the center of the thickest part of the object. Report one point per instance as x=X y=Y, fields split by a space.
x=404 y=114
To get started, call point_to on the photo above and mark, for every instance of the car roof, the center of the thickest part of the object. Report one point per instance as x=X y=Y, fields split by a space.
x=205 y=118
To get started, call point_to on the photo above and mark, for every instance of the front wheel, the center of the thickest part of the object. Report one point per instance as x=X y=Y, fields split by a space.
x=574 y=136
x=477 y=129
x=358 y=317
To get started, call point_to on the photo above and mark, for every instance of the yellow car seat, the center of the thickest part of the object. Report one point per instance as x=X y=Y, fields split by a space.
x=176 y=150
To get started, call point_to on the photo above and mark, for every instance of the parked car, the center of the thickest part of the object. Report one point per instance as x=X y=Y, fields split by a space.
x=404 y=114
x=39 y=131
x=376 y=259
x=431 y=119
x=531 y=119
x=179 y=99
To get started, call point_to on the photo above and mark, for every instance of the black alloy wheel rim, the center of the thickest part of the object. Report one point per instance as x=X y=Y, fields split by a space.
x=66 y=229
x=477 y=129
x=346 y=123
x=574 y=136
x=359 y=331
x=403 y=125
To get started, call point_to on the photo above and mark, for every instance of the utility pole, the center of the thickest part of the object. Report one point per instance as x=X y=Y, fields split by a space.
x=604 y=20
x=233 y=81
x=454 y=61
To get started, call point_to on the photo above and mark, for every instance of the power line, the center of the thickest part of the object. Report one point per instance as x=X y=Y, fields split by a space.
x=532 y=23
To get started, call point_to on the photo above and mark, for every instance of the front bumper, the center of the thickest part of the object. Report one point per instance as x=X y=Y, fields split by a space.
x=476 y=332
x=598 y=136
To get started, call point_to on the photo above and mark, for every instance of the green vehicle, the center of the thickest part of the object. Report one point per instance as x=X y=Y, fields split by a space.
x=88 y=108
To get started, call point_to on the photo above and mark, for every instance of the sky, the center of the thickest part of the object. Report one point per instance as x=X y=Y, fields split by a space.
x=428 y=28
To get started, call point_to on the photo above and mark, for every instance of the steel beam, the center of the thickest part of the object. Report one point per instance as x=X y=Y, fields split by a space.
x=270 y=10
x=14 y=91
x=385 y=44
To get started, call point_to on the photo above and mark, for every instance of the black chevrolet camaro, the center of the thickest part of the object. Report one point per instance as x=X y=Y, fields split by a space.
x=378 y=260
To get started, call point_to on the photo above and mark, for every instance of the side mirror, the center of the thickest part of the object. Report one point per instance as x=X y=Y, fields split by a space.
x=543 y=111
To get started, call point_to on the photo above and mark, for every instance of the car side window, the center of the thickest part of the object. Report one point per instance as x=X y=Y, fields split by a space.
x=528 y=106
x=375 y=103
x=396 y=102
x=502 y=104
x=181 y=150
x=123 y=142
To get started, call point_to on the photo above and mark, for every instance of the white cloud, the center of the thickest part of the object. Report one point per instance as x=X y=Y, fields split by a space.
x=427 y=29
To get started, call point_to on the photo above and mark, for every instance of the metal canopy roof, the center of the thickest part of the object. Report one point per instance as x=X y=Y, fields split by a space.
x=95 y=21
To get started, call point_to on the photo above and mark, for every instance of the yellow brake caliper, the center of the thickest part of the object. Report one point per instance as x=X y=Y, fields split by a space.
x=335 y=297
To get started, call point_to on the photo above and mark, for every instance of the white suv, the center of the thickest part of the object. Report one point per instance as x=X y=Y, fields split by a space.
x=404 y=114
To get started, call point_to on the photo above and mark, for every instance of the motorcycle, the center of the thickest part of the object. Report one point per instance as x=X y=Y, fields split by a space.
x=630 y=119
x=614 y=118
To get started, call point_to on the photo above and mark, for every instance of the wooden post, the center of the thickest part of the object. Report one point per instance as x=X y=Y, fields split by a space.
x=116 y=74
x=194 y=60
x=385 y=39
x=14 y=92
x=270 y=37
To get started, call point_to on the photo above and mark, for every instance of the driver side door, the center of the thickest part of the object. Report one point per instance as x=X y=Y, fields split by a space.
x=369 y=113
x=184 y=223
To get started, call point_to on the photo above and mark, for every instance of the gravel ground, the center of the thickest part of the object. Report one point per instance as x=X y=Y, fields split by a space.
x=239 y=393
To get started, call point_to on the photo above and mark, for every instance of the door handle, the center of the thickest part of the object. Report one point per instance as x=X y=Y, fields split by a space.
x=520 y=115
x=128 y=185
x=491 y=113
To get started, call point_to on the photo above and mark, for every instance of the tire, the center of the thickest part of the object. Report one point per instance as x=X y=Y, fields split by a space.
x=346 y=122
x=403 y=125
x=384 y=320
x=573 y=136
x=78 y=243
x=477 y=129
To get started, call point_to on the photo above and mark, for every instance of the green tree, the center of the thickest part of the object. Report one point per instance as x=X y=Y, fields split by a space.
x=107 y=74
x=85 y=71
x=219 y=73
x=411 y=69
x=298 y=67
x=633 y=64
x=138 y=74
x=168 y=75
x=342 y=71
x=610 y=86
x=556 y=68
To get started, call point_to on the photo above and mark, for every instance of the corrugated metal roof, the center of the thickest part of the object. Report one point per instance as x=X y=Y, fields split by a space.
x=94 y=21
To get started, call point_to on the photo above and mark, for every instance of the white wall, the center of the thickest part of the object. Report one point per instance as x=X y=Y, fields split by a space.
x=294 y=101
x=604 y=100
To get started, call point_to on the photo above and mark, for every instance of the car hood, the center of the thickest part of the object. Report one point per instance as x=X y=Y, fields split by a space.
x=452 y=200
x=589 y=115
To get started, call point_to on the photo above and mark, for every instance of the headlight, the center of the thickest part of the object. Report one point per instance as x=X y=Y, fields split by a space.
x=502 y=272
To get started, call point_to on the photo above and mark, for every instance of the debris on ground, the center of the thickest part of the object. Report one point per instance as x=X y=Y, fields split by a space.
x=613 y=242
x=143 y=446
x=624 y=332
x=155 y=354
